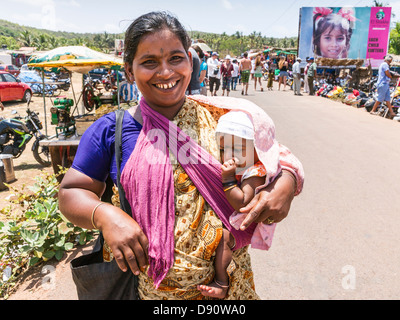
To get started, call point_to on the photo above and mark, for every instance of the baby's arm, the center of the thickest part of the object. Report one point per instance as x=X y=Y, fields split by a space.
x=239 y=197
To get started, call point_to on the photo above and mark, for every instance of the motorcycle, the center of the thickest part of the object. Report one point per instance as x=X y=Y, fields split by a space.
x=15 y=133
x=63 y=83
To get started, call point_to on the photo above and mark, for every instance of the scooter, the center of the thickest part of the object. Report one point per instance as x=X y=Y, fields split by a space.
x=15 y=133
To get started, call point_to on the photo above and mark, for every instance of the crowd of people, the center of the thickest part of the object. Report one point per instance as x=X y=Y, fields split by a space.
x=218 y=76
x=226 y=73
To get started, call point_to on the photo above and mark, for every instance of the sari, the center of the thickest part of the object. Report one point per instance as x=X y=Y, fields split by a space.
x=197 y=229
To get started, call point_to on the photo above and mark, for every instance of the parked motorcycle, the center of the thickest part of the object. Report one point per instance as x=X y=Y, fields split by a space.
x=62 y=83
x=15 y=133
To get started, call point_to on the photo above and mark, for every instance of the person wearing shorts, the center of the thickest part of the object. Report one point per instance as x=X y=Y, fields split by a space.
x=383 y=87
x=245 y=67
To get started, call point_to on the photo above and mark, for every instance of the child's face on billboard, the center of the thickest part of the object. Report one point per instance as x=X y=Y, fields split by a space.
x=333 y=43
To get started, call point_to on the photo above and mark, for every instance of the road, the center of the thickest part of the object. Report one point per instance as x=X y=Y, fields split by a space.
x=340 y=238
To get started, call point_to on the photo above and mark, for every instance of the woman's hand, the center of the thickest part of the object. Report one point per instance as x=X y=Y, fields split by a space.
x=79 y=196
x=126 y=239
x=272 y=204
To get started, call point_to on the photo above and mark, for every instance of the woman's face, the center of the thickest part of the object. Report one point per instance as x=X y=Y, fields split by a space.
x=333 y=43
x=161 y=69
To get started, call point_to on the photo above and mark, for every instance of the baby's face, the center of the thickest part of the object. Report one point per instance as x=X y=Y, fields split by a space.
x=235 y=147
x=333 y=43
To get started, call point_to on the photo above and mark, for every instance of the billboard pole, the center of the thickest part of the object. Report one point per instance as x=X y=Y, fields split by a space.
x=298 y=33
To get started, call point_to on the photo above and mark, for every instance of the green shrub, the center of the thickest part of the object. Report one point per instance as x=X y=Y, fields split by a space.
x=35 y=230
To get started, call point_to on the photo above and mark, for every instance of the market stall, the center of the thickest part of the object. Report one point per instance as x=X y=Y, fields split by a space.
x=70 y=124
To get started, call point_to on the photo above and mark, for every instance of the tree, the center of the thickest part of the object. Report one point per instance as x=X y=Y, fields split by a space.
x=394 y=40
x=26 y=38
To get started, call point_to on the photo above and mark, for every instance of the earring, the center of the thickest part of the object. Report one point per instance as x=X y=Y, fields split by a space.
x=130 y=78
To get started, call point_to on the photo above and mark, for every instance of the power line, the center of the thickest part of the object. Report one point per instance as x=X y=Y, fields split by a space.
x=283 y=13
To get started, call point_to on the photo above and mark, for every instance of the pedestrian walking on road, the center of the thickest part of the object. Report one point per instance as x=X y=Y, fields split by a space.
x=226 y=73
x=245 y=67
x=258 y=73
x=383 y=87
x=311 y=75
x=306 y=87
x=297 y=77
x=283 y=74
x=214 y=73
x=235 y=74
x=271 y=77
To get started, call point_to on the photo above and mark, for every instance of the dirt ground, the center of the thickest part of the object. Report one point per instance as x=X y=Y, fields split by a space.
x=26 y=169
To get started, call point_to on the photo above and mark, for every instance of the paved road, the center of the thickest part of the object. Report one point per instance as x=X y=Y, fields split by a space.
x=340 y=238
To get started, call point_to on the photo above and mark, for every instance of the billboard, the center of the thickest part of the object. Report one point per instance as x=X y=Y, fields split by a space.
x=347 y=32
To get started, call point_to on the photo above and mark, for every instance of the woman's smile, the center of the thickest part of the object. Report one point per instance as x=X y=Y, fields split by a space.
x=166 y=86
x=162 y=72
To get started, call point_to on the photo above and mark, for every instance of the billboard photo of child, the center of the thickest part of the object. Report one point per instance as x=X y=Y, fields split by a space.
x=332 y=32
x=341 y=32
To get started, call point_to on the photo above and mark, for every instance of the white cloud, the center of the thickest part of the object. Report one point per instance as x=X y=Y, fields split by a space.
x=227 y=5
x=36 y=3
x=112 y=28
x=396 y=10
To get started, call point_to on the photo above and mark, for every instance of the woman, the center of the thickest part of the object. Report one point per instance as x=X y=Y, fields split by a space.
x=283 y=68
x=156 y=57
x=226 y=73
x=258 y=73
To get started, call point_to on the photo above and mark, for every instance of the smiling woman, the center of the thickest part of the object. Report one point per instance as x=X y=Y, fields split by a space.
x=162 y=72
x=179 y=208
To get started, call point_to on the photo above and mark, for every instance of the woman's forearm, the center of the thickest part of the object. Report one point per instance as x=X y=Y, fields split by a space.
x=77 y=206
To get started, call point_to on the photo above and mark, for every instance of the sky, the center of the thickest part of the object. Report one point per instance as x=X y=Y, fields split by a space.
x=273 y=18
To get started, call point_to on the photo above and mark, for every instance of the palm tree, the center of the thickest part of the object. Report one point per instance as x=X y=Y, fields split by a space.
x=26 y=38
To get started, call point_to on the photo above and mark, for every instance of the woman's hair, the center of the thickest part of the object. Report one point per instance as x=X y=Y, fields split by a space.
x=281 y=62
x=325 y=19
x=150 y=23
x=258 y=61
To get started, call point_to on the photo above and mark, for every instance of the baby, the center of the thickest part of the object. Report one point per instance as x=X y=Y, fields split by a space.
x=235 y=136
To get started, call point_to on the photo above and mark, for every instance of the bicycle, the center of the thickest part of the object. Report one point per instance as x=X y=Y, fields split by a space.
x=49 y=90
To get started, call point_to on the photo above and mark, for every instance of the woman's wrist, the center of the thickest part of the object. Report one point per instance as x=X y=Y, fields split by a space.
x=290 y=181
x=99 y=218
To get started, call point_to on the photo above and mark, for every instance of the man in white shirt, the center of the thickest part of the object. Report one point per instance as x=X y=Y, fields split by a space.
x=297 y=77
x=235 y=74
x=214 y=73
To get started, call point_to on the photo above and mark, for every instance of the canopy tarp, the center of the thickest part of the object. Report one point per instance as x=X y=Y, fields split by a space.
x=203 y=46
x=78 y=65
x=73 y=58
x=286 y=52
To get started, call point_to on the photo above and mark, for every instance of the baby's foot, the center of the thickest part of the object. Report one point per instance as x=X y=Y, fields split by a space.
x=214 y=290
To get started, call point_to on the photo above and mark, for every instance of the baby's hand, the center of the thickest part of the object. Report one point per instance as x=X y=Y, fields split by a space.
x=229 y=169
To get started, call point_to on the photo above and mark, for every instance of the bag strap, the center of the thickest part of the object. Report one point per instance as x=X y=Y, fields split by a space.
x=124 y=204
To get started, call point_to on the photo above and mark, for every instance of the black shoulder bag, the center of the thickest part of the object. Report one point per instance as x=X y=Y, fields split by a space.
x=98 y=280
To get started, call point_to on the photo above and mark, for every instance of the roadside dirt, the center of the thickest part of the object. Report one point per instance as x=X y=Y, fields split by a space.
x=39 y=282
